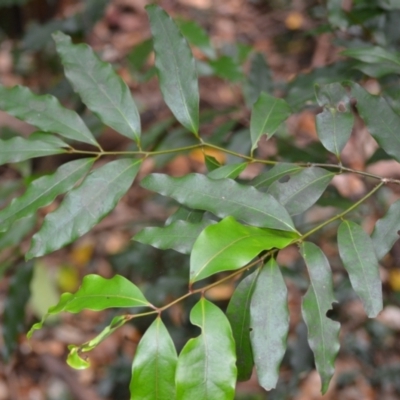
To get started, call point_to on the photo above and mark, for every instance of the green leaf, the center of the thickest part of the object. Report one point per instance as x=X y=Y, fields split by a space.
x=302 y=190
x=185 y=214
x=386 y=232
x=84 y=206
x=389 y=4
x=230 y=171
x=266 y=116
x=227 y=68
x=138 y=56
x=382 y=122
x=154 y=365
x=323 y=333
x=97 y=293
x=179 y=235
x=18 y=230
x=211 y=163
x=336 y=15
x=335 y=123
x=206 y=365
x=41 y=192
x=76 y=362
x=357 y=253
x=222 y=198
x=99 y=86
x=278 y=171
x=229 y=245
x=45 y=112
x=176 y=68
x=14 y=308
x=269 y=322
x=238 y=314
x=19 y=149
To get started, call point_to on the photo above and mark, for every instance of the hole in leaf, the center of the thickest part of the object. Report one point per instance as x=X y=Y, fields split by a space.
x=250 y=329
x=333 y=313
x=284 y=179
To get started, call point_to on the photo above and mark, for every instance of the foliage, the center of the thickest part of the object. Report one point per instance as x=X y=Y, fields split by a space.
x=227 y=225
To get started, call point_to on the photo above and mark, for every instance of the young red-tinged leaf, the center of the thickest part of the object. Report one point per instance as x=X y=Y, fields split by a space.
x=231 y=171
x=335 y=122
x=238 y=314
x=42 y=191
x=223 y=197
x=386 y=232
x=99 y=86
x=20 y=149
x=154 y=365
x=302 y=190
x=45 y=112
x=323 y=333
x=357 y=253
x=179 y=235
x=84 y=206
x=176 y=68
x=206 y=365
x=229 y=245
x=267 y=114
x=269 y=323
x=97 y=293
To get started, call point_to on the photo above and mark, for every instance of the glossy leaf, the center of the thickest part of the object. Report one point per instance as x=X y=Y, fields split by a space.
x=357 y=253
x=266 y=116
x=185 y=214
x=382 y=122
x=386 y=232
x=230 y=171
x=97 y=293
x=206 y=365
x=229 y=245
x=222 y=198
x=41 y=192
x=45 y=112
x=335 y=123
x=19 y=149
x=238 y=314
x=179 y=235
x=14 y=307
x=176 y=68
x=84 y=206
x=278 y=171
x=99 y=86
x=269 y=323
x=323 y=333
x=302 y=190
x=154 y=365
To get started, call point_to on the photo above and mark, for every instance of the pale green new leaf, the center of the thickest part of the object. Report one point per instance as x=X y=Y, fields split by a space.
x=97 y=293
x=357 y=253
x=223 y=197
x=386 y=232
x=99 y=86
x=323 y=333
x=269 y=323
x=84 y=206
x=335 y=123
x=44 y=190
x=229 y=245
x=267 y=114
x=45 y=112
x=179 y=235
x=206 y=365
x=176 y=68
x=302 y=190
x=238 y=314
x=231 y=171
x=154 y=365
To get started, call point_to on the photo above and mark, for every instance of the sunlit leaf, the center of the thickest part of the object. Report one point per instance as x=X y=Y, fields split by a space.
x=323 y=333
x=267 y=114
x=357 y=253
x=99 y=86
x=44 y=190
x=45 y=112
x=302 y=190
x=176 y=68
x=269 y=323
x=229 y=245
x=206 y=365
x=84 y=206
x=222 y=198
x=154 y=365
x=230 y=171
